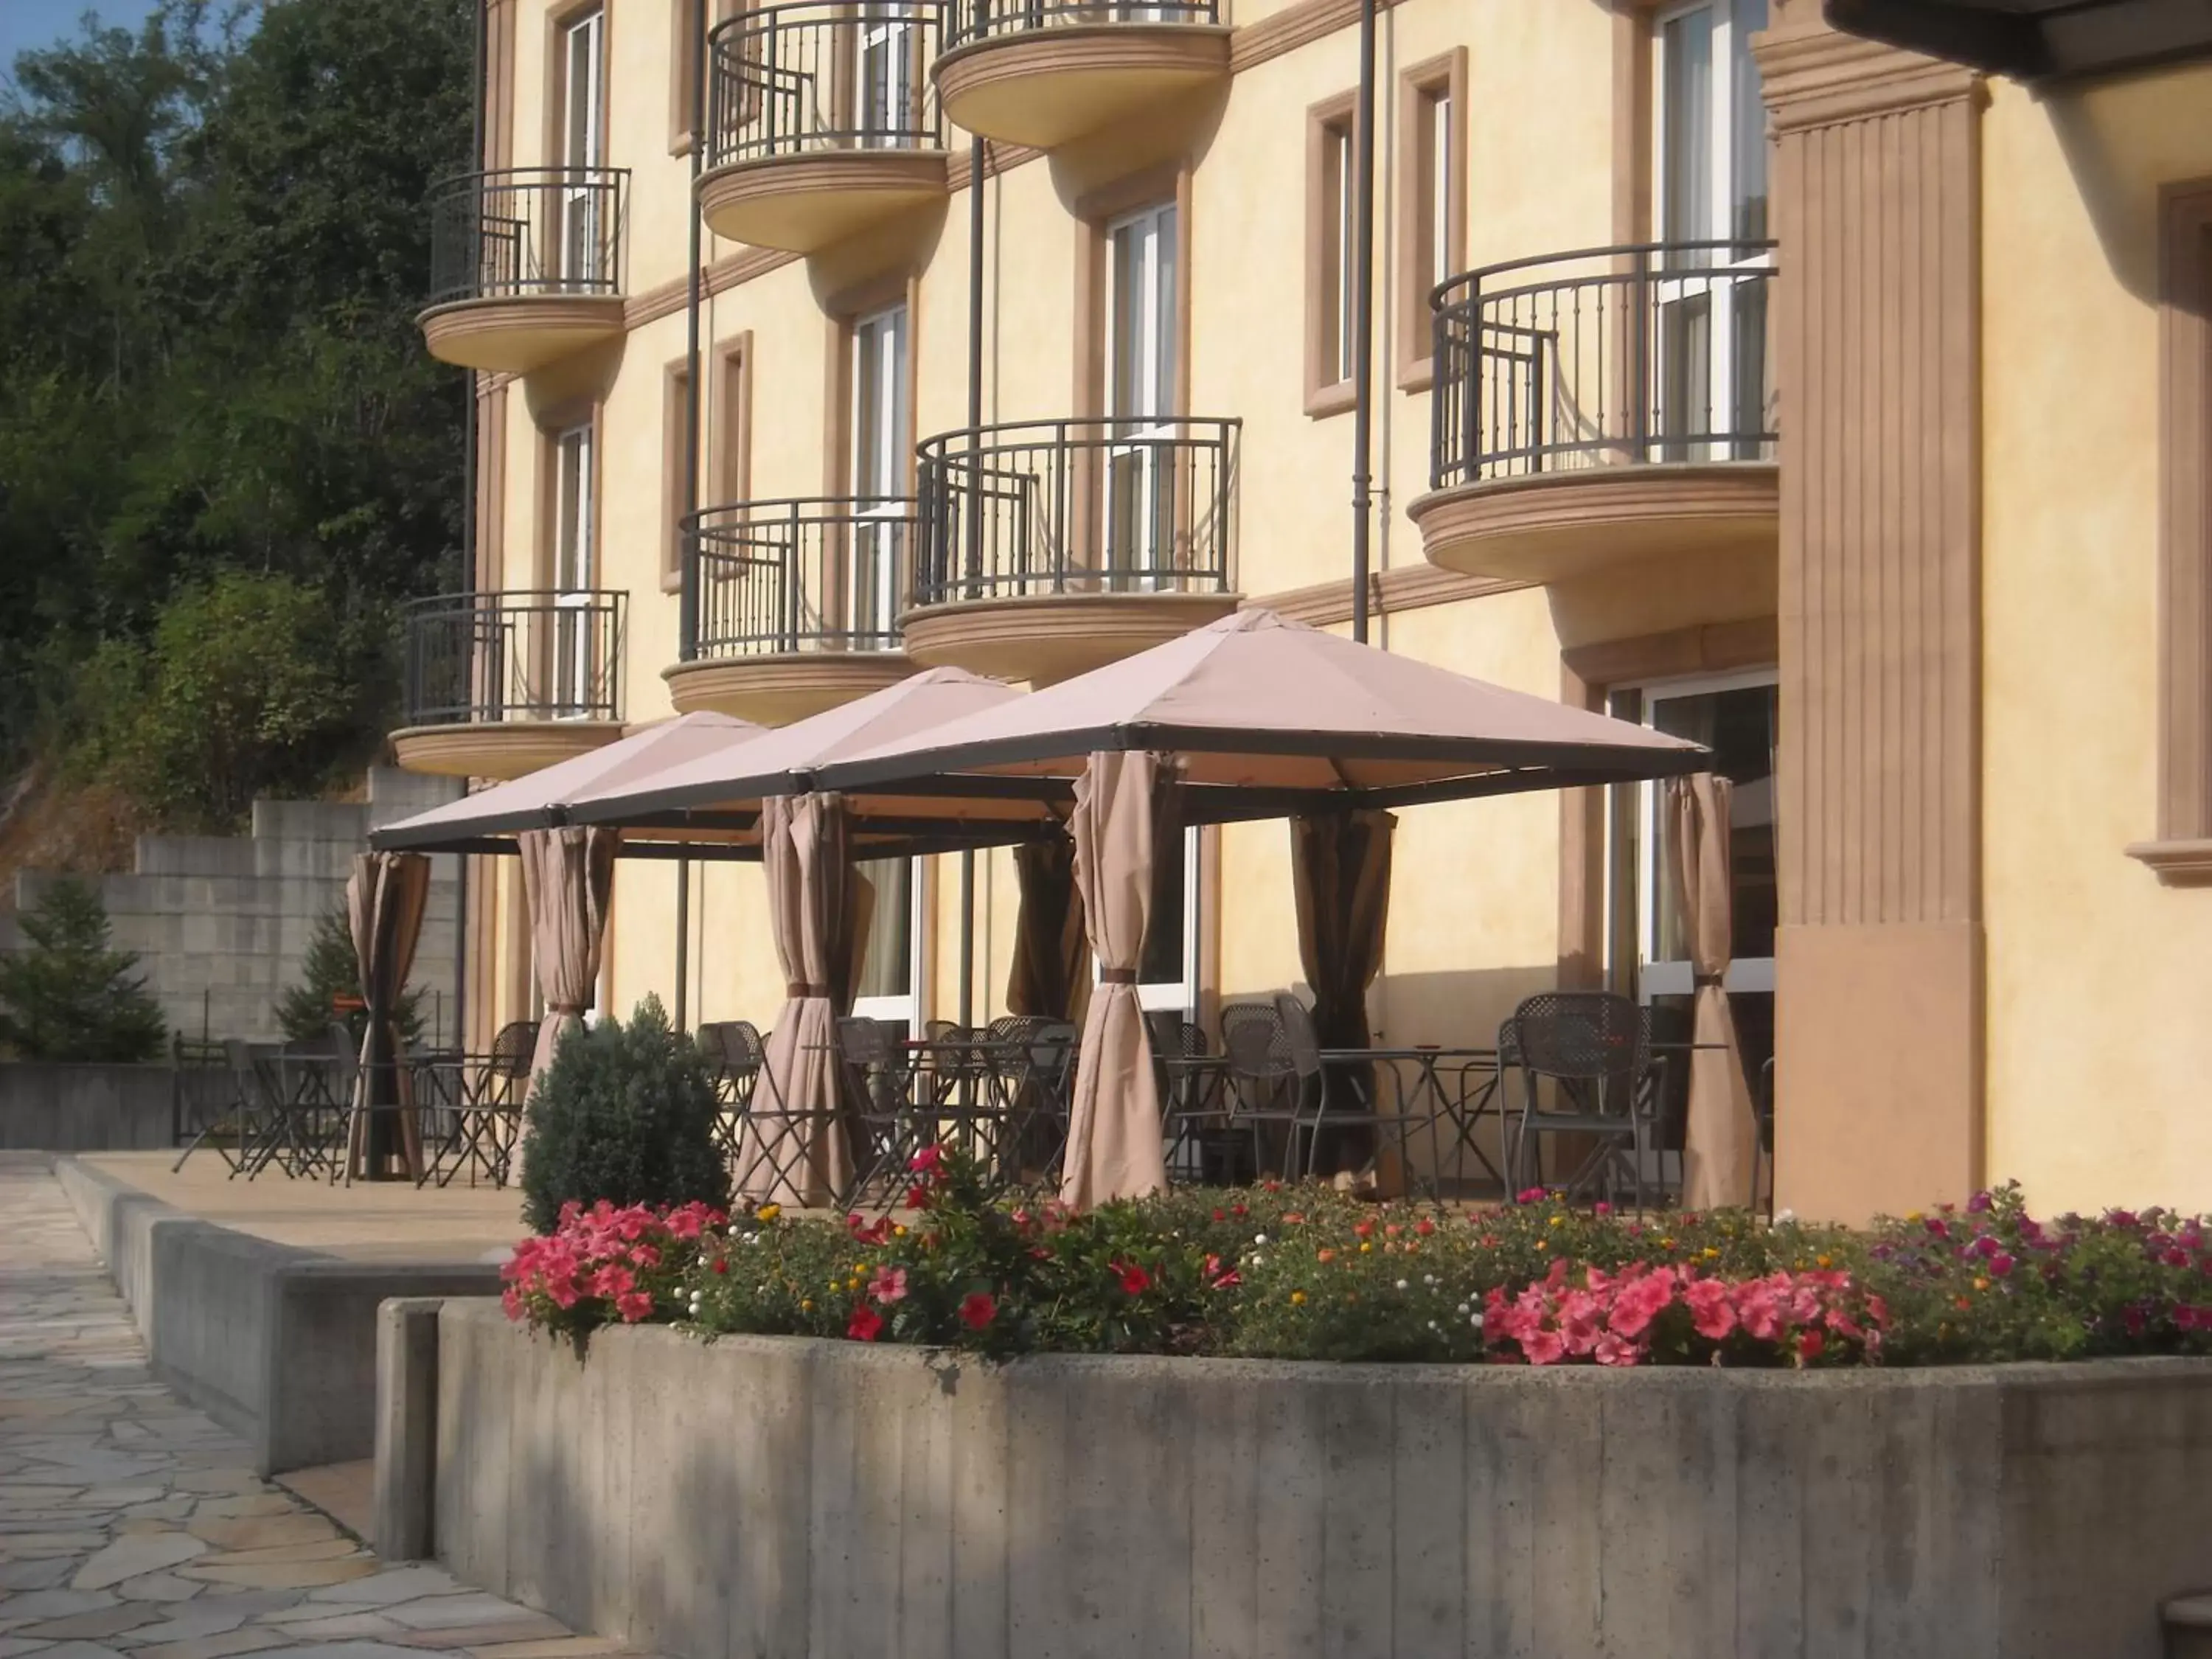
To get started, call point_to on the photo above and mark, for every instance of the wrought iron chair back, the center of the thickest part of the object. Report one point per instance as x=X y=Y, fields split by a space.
x=1594 y=1048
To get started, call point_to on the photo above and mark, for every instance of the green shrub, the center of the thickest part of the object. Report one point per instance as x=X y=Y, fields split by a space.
x=626 y=1114
x=70 y=996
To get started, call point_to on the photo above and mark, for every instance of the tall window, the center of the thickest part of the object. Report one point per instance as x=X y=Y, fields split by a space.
x=1144 y=342
x=1332 y=284
x=888 y=75
x=675 y=424
x=876 y=463
x=1737 y=716
x=1431 y=184
x=1167 y=972
x=585 y=237
x=1711 y=362
x=881 y=400
x=576 y=565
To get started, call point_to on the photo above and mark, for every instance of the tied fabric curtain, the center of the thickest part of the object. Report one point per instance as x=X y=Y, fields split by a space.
x=796 y=1151
x=1340 y=876
x=567 y=876
x=1114 y=1120
x=1718 y=1142
x=386 y=898
x=1048 y=976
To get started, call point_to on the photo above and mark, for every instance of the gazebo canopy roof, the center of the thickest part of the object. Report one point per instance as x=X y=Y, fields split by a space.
x=1268 y=717
x=541 y=801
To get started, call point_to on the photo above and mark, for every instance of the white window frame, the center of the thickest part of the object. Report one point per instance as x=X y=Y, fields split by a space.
x=575 y=568
x=583 y=237
x=1674 y=978
x=881 y=512
x=1144 y=424
x=1711 y=285
x=886 y=103
x=1180 y=995
x=905 y=1009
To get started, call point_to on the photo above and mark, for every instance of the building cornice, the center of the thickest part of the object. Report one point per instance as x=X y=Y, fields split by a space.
x=1815 y=76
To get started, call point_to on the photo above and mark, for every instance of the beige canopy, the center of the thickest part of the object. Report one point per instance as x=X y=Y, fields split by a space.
x=1252 y=717
x=542 y=800
x=1267 y=717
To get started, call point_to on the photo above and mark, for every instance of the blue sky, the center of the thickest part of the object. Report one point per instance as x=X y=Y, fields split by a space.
x=25 y=24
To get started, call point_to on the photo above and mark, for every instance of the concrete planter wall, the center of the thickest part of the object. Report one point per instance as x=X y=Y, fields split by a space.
x=805 y=1500
x=52 y=1106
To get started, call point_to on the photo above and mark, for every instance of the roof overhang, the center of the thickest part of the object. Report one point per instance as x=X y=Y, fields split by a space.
x=2036 y=40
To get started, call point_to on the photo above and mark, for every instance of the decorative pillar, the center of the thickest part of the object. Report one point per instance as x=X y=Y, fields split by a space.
x=1877 y=189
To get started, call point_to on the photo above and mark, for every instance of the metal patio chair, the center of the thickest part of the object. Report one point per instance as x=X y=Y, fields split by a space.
x=1584 y=1058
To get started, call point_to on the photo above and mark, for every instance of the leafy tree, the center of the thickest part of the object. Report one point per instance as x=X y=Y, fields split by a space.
x=70 y=996
x=213 y=242
x=329 y=972
x=626 y=1113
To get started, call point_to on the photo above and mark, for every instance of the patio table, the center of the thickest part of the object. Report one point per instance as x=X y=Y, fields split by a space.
x=1426 y=1102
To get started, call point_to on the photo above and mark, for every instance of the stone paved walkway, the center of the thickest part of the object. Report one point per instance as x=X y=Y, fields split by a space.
x=133 y=1527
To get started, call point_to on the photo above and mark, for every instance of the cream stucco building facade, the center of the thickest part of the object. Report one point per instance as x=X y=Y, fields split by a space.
x=1846 y=407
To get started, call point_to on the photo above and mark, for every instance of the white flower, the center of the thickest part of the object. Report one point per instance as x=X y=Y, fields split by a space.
x=1432 y=1324
x=1429 y=1279
x=1464 y=1310
x=1256 y=1259
x=1258 y=1238
x=1782 y=1216
x=1402 y=1285
x=1476 y=1322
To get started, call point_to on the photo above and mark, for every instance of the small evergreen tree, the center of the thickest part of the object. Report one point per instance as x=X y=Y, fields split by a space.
x=70 y=996
x=626 y=1113
x=330 y=973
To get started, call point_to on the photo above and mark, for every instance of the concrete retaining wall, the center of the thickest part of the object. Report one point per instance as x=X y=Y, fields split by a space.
x=52 y=1107
x=771 y=1497
x=275 y=1343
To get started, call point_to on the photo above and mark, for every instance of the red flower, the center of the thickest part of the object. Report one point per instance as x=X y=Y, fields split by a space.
x=977 y=1309
x=925 y=1162
x=721 y=1264
x=1424 y=1226
x=864 y=1234
x=917 y=1197
x=1134 y=1280
x=1219 y=1279
x=865 y=1325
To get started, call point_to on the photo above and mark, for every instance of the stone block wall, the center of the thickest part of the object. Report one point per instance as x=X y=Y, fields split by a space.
x=221 y=923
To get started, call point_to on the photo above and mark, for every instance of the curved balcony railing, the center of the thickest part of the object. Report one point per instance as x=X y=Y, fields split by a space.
x=970 y=21
x=487 y=658
x=1143 y=505
x=815 y=574
x=823 y=75
x=1613 y=356
x=528 y=231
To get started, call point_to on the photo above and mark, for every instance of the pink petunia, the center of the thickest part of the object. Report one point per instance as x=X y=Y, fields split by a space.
x=1711 y=1313
x=1544 y=1347
x=634 y=1307
x=888 y=1284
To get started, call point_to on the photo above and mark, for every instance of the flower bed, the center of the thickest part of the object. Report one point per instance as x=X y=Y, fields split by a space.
x=1304 y=1272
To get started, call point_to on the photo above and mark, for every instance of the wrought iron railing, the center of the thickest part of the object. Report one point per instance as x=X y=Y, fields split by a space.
x=475 y=658
x=819 y=574
x=1145 y=504
x=823 y=75
x=526 y=231
x=1613 y=356
x=967 y=22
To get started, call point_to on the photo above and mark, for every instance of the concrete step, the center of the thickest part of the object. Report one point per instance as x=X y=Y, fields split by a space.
x=2189 y=1626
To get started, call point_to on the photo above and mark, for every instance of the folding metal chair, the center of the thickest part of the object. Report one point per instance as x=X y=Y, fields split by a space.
x=1593 y=1049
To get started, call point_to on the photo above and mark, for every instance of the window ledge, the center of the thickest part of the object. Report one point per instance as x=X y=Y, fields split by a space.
x=671 y=581
x=2177 y=863
x=1322 y=402
x=1417 y=373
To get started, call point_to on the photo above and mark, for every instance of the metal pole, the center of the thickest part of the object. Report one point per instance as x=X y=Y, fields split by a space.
x=1363 y=339
x=975 y=524
x=470 y=577
x=687 y=554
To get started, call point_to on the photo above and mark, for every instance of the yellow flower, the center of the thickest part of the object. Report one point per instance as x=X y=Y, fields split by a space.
x=1913 y=1215
x=1298 y=1299
x=898 y=1231
x=807 y=1307
x=1543 y=1245
x=859 y=1267
x=1981 y=1284
x=768 y=1212
x=1665 y=1243
x=1366 y=1249
x=1558 y=1221
x=1826 y=1262
x=835 y=1285
x=853 y=1283
x=1710 y=1253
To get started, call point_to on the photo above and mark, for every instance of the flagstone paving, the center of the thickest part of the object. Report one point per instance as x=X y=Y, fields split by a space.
x=132 y=1526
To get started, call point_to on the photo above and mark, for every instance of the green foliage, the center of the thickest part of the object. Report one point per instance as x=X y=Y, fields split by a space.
x=330 y=971
x=212 y=245
x=626 y=1114
x=249 y=686
x=70 y=996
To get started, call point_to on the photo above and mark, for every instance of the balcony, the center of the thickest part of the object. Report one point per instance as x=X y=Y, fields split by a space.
x=1602 y=407
x=1054 y=547
x=499 y=685
x=820 y=122
x=799 y=605
x=526 y=266
x=1046 y=72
